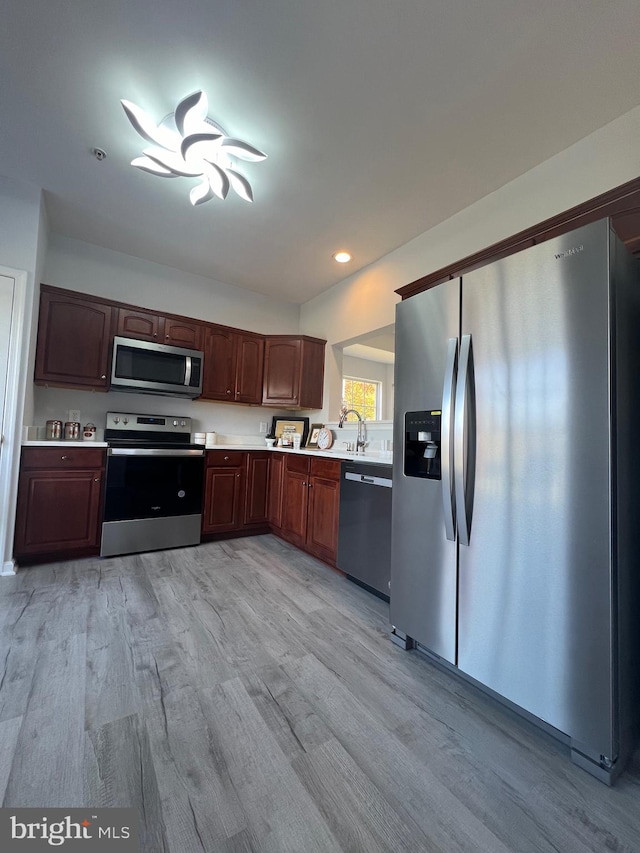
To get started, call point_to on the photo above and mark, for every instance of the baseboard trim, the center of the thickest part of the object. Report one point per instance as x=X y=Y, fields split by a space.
x=8 y=568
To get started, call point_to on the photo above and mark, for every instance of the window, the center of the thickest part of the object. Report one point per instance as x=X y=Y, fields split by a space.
x=363 y=395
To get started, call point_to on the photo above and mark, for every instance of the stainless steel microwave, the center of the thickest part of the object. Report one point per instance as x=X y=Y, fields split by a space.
x=150 y=368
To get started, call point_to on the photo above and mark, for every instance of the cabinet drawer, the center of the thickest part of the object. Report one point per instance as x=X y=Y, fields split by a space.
x=223 y=458
x=63 y=457
x=329 y=468
x=297 y=462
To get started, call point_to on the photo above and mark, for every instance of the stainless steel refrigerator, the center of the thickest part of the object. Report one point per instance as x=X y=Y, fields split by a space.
x=516 y=485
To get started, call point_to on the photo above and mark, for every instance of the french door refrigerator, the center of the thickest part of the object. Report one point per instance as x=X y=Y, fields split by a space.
x=515 y=485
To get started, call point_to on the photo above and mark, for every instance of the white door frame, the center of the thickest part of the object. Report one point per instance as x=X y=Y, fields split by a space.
x=12 y=421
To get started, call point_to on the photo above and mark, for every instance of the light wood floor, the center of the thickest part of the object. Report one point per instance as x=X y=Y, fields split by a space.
x=244 y=697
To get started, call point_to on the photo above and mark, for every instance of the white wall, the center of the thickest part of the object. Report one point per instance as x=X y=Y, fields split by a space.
x=90 y=269
x=80 y=266
x=22 y=237
x=366 y=301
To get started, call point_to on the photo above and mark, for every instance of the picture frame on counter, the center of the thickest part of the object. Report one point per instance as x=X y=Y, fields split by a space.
x=314 y=432
x=286 y=428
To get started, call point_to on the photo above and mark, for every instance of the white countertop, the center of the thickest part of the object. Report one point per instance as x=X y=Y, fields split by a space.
x=52 y=443
x=378 y=457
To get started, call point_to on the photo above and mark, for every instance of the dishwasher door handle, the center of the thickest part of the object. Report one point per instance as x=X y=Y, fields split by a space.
x=370 y=481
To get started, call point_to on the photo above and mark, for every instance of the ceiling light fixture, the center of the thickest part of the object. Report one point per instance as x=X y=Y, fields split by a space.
x=189 y=144
x=342 y=257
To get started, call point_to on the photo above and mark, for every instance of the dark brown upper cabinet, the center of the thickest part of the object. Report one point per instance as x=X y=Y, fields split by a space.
x=233 y=363
x=149 y=326
x=293 y=371
x=74 y=340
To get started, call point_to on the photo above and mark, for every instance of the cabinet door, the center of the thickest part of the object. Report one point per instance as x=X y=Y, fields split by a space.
x=281 y=372
x=322 y=518
x=74 y=342
x=181 y=333
x=294 y=507
x=141 y=325
x=249 y=368
x=276 y=469
x=58 y=511
x=311 y=374
x=223 y=499
x=219 y=364
x=255 y=502
x=293 y=371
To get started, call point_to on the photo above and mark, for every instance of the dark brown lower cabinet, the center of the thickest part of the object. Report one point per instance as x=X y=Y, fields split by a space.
x=255 y=501
x=295 y=500
x=223 y=491
x=235 y=492
x=59 y=503
x=274 y=495
x=310 y=504
x=296 y=496
x=324 y=505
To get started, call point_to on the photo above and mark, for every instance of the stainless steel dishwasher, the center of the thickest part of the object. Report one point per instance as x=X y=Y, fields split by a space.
x=364 y=533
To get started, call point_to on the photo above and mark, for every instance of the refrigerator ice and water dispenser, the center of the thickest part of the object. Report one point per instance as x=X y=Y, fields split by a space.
x=422 y=444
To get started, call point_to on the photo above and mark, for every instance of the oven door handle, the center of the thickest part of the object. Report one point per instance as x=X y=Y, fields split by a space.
x=153 y=451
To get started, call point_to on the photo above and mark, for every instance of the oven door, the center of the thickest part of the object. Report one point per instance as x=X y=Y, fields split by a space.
x=153 y=483
x=153 y=500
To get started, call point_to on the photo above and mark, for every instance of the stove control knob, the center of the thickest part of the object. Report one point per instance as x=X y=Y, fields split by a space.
x=116 y=420
x=125 y=420
x=175 y=423
x=183 y=423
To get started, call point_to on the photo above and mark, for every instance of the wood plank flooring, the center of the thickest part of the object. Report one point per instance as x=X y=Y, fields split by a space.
x=245 y=697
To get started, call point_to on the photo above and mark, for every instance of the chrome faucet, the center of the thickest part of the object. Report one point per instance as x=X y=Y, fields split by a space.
x=361 y=439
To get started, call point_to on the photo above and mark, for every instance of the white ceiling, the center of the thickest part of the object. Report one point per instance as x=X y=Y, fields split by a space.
x=380 y=118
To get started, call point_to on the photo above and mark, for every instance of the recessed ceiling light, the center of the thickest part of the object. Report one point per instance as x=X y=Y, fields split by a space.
x=342 y=257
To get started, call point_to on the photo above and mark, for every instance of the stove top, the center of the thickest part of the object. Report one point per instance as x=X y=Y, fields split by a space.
x=128 y=429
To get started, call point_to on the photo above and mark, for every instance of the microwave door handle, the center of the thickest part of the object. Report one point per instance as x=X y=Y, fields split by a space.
x=446 y=458
x=187 y=370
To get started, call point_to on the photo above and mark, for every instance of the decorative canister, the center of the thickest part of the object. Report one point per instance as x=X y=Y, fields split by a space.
x=89 y=432
x=72 y=430
x=54 y=430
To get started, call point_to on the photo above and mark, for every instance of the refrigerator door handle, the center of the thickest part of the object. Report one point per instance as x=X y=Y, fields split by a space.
x=465 y=441
x=447 y=436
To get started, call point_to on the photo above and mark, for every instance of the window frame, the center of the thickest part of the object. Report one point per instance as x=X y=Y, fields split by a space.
x=378 y=404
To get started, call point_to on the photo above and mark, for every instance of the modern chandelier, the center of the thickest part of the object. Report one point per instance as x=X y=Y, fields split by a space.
x=189 y=144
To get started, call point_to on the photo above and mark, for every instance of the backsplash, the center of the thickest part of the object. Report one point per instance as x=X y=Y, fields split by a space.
x=206 y=416
x=378 y=434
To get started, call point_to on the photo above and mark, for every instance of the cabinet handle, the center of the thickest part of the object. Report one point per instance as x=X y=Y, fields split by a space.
x=104 y=376
x=237 y=475
x=64 y=457
x=226 y=458
x=155 y=334
x=304 y=484
x=167 y=337
x=228 y=390
x=97 y=480
x=310 y=485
